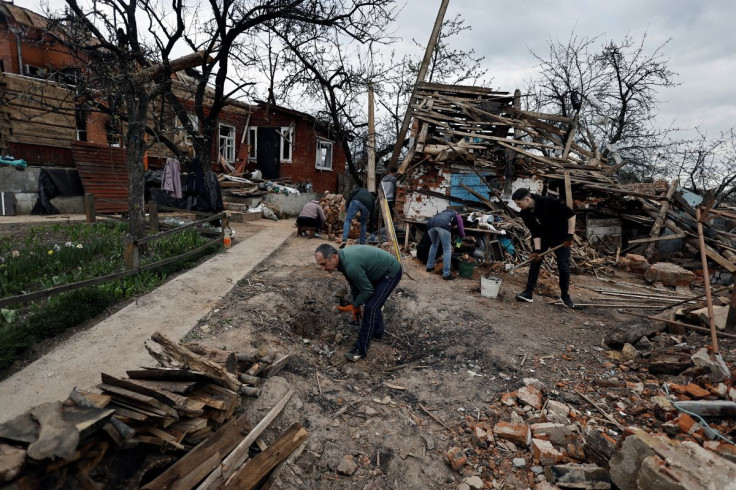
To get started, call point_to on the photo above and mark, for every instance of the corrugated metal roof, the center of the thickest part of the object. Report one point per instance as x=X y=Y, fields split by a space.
x=104 y=173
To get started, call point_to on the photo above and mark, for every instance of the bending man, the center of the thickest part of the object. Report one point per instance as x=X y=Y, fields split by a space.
x=551 y=223
x=439 y=228
x=359 y=201
x=372 y=274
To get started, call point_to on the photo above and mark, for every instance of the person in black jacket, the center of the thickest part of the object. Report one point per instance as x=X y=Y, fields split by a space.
x=551 y=223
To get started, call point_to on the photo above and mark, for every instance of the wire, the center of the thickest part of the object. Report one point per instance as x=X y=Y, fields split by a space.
x=712 y=433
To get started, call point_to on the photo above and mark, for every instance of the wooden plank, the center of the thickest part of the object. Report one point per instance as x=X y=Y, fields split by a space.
x=23 y=428
x=200 y=461
x=233 y=461
x=147 y=401
x=178 y=387
x=196 y=362
x=216 y=397
x=88 y=399
x=222 y=357
x=12 y=462
x=676 y=236
x=171 y=399
x=568 y=189
x=252 y=472
x=87 y=420
x=659 y=219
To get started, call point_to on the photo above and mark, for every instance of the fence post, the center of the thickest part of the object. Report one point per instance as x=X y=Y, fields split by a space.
x=89 y=207
x=130 y=253
x=153 y=216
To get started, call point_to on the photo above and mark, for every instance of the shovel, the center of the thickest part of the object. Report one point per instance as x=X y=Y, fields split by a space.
x=528 y=261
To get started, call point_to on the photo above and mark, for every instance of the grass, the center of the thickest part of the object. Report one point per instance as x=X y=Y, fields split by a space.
x=67 y=253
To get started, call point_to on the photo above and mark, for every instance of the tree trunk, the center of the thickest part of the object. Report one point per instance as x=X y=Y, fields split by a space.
x=137 y=106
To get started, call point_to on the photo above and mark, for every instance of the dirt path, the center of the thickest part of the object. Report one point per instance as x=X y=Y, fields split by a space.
x=447 y=349
x=116 y=343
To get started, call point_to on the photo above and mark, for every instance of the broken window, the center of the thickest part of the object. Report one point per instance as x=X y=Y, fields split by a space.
x=287 y=142
x=252 y=142
x=227 y=142
x=114 y=135
x=324 y=154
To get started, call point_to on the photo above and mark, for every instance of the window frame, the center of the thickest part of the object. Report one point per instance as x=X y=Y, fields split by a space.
x=194 y=120
x=252 y=142
x=318 y=160
x=229 y=139
x=287 y=137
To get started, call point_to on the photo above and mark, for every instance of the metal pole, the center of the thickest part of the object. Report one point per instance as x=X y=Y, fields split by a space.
x=420 y=78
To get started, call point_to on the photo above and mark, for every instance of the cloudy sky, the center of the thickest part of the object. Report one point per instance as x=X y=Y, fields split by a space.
x=702 y=47
x=702 y=50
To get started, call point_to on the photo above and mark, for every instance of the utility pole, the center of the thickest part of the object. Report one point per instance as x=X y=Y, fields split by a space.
x=420 y=78
x=371 y=144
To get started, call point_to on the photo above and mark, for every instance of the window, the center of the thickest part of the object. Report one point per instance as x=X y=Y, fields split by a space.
x=324 y=154
x=114 y=137
x=252 y=143
x=287 y=142
x=227 y=142
x=185 y=136
x=34 y=71
x=81 y=120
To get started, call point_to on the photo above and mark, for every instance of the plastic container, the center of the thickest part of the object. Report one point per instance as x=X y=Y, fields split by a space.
x=227 y=238
x=490 y=286
x=466 y=269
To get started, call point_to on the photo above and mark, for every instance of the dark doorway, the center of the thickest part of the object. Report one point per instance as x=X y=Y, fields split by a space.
x=269 y=144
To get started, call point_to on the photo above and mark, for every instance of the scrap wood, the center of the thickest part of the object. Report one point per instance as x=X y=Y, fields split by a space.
x=57 y=437
x=605 y=414
x=435 y=418
x=253 y=471
x=681 y=324
x=195 y=361
x=239 y=454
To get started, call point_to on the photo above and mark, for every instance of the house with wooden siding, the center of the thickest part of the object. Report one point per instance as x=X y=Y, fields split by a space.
x=41 y=119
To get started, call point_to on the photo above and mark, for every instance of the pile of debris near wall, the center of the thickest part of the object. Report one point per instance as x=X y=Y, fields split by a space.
x=471 y=147
x=175 y=425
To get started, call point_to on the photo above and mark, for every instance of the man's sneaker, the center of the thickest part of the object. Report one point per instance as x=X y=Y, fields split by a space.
x=524 y=296
x=567 y=301
x=354 y=355
x=448 y=278
x=430 y=269
x=342 y=245
x=377 y=336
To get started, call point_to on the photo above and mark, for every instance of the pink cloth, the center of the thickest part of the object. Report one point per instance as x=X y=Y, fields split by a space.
x=171 y=180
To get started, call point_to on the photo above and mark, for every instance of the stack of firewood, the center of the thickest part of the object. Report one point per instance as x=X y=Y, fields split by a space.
x=333 y=204
x=152 y=418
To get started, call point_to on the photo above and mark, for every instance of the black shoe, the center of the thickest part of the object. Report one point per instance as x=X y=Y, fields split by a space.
x=567 y=301
x=377 y=336
x=342 y=245
x=354 y=355
x=430 y=269
x=449 y=278
x=524 y=296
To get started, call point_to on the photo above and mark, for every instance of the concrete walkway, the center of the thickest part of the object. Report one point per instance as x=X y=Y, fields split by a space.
x=116 y=344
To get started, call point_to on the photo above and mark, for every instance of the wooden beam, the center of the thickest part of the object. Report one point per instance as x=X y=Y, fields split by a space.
x=371 y=177
x=661 y=215
x=252 y=472
x=568 y=189
x=658 y=239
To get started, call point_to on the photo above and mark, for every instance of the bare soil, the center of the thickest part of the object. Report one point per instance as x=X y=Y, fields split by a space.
x=447 y=349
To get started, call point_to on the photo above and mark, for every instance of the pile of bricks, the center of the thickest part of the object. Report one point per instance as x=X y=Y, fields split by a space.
x=575 y=436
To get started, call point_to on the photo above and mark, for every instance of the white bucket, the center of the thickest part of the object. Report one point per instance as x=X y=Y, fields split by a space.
x=489 y=286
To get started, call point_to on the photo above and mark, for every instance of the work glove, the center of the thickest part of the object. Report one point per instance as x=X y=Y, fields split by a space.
x=351 y=309
x=536 y=256
x=569 y=239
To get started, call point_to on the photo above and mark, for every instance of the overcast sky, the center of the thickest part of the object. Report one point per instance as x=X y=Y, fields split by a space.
x=702 y=50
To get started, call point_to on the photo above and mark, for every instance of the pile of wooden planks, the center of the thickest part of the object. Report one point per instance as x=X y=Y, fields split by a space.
x=149 y=419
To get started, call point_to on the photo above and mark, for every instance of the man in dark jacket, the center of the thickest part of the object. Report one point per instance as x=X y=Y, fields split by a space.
x=372 y=274
x=551 y=223
x=359 y=201
x=439 y=229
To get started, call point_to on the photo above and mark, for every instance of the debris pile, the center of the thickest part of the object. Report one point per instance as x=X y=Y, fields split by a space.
x=654 y=416
x=178 y=417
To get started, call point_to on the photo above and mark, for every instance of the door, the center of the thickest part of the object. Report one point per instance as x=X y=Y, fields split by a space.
x=269 y=147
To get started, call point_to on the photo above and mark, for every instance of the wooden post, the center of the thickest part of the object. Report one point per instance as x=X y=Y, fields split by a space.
x=89 y=207
x=371 y=171
x=571 y=136
x=657 y=226
x=153 y=216
x=731 y=319
x=706 y=283
x=568 y=189
x=130 y=253
x=420 y=78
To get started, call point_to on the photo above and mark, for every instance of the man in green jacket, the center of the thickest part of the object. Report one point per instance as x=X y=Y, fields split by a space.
x=372 y=274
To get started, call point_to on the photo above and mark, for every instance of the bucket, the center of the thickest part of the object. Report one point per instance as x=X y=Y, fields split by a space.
x=466 y=268
x=489 y=286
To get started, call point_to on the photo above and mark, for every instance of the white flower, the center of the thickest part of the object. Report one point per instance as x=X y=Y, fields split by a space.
x=79 y=245
x=68 y=244
x=16 y=253
x=57 y=247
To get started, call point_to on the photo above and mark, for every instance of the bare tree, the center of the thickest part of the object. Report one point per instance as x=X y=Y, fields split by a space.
x=708 y=165
x=615 y=87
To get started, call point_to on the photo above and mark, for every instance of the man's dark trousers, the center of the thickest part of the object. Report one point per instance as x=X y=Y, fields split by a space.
x=563 y=266
x=372 y=316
